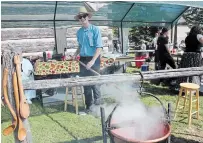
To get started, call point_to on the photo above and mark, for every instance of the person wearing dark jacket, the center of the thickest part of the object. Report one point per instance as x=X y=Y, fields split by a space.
x=192 y=54
x=163 y=52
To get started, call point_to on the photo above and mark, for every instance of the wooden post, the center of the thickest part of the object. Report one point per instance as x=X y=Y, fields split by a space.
x=61 y=40
x=8 y=63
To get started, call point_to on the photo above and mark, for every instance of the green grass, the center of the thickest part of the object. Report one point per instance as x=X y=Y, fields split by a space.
x=52 y=125
x=180 y=124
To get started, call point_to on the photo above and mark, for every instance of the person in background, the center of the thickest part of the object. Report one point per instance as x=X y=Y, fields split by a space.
x=143 y=47
x=182 y=45
x=154 y=41
x=90 y=47
x=192 y=54
x=154 y=47
x=116 y=45
x=27 y=75
x=163 y=50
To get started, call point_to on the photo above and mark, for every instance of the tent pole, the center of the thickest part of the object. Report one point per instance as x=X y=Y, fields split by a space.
x=55 y=29
x=122 y=37
x=124 y=66
x=172 y=34
x=175 y=33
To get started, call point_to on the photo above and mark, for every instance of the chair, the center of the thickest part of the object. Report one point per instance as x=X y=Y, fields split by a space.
x=75 y=91
x=190 y=89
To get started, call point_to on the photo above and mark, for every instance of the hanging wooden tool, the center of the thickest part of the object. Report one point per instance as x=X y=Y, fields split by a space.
x=24 y=107
x=21 y=129
x=7 y=131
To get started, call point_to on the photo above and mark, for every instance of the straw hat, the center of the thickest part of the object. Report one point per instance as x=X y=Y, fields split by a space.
x=83 y=10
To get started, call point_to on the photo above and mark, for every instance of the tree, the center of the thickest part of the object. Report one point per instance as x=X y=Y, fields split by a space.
x=139 y=33
x=194 y=16
x=115 y=31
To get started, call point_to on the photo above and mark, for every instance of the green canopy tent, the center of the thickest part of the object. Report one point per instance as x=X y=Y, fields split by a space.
x=43 y=14
x=120 y=14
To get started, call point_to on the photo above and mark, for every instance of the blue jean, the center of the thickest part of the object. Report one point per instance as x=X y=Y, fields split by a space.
x=93 y=88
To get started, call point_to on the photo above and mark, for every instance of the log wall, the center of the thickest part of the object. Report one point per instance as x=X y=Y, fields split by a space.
x=42 y=39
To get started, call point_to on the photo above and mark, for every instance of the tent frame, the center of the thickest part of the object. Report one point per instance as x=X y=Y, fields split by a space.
x=174 y=22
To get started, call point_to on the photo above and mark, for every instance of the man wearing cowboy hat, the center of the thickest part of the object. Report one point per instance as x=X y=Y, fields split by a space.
x=90 y=46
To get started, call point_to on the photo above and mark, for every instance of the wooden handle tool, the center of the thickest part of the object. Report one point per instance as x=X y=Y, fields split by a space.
x=89 y=68
x=24 y=107
x=21 y=129
x=7 y=131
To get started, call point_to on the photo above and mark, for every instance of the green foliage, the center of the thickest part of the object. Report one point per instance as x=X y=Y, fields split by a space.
x=146 y=33
x=115 y=31
x=194 y=16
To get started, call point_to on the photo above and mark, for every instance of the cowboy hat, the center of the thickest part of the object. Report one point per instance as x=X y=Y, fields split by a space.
x=82 y=11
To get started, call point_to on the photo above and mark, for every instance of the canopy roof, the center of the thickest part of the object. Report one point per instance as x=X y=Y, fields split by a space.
x=43 y=13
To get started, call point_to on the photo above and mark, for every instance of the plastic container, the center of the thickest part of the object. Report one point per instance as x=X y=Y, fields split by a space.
x=145 y=67
x=137 y=63
x=49 y=55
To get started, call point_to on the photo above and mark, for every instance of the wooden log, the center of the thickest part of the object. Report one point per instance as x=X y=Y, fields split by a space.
x=26 y=33
x=29 y=45
x=39 y=45
x=40 y=33
x=8 y=63
x=106 y=79
x=176 y=70
x=172 y=75
x=82 y=81
x=135 y=60
x=138 y=51
x=36 y=54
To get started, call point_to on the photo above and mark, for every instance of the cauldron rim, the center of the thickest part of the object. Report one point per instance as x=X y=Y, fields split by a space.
x=167 y=125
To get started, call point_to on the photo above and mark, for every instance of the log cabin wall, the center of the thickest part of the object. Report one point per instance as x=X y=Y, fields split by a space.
x=42 y=39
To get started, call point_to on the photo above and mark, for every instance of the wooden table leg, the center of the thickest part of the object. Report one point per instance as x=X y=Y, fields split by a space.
x=66 y=100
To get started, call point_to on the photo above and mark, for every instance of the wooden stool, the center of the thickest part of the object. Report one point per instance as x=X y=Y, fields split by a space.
x=74 y=98
x=190 y=88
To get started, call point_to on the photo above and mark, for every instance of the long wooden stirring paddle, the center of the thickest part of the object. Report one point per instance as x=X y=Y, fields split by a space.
x=89 y=68
x=24 y=107
x=21 y=129
x=99 y=75
x=7 y=131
